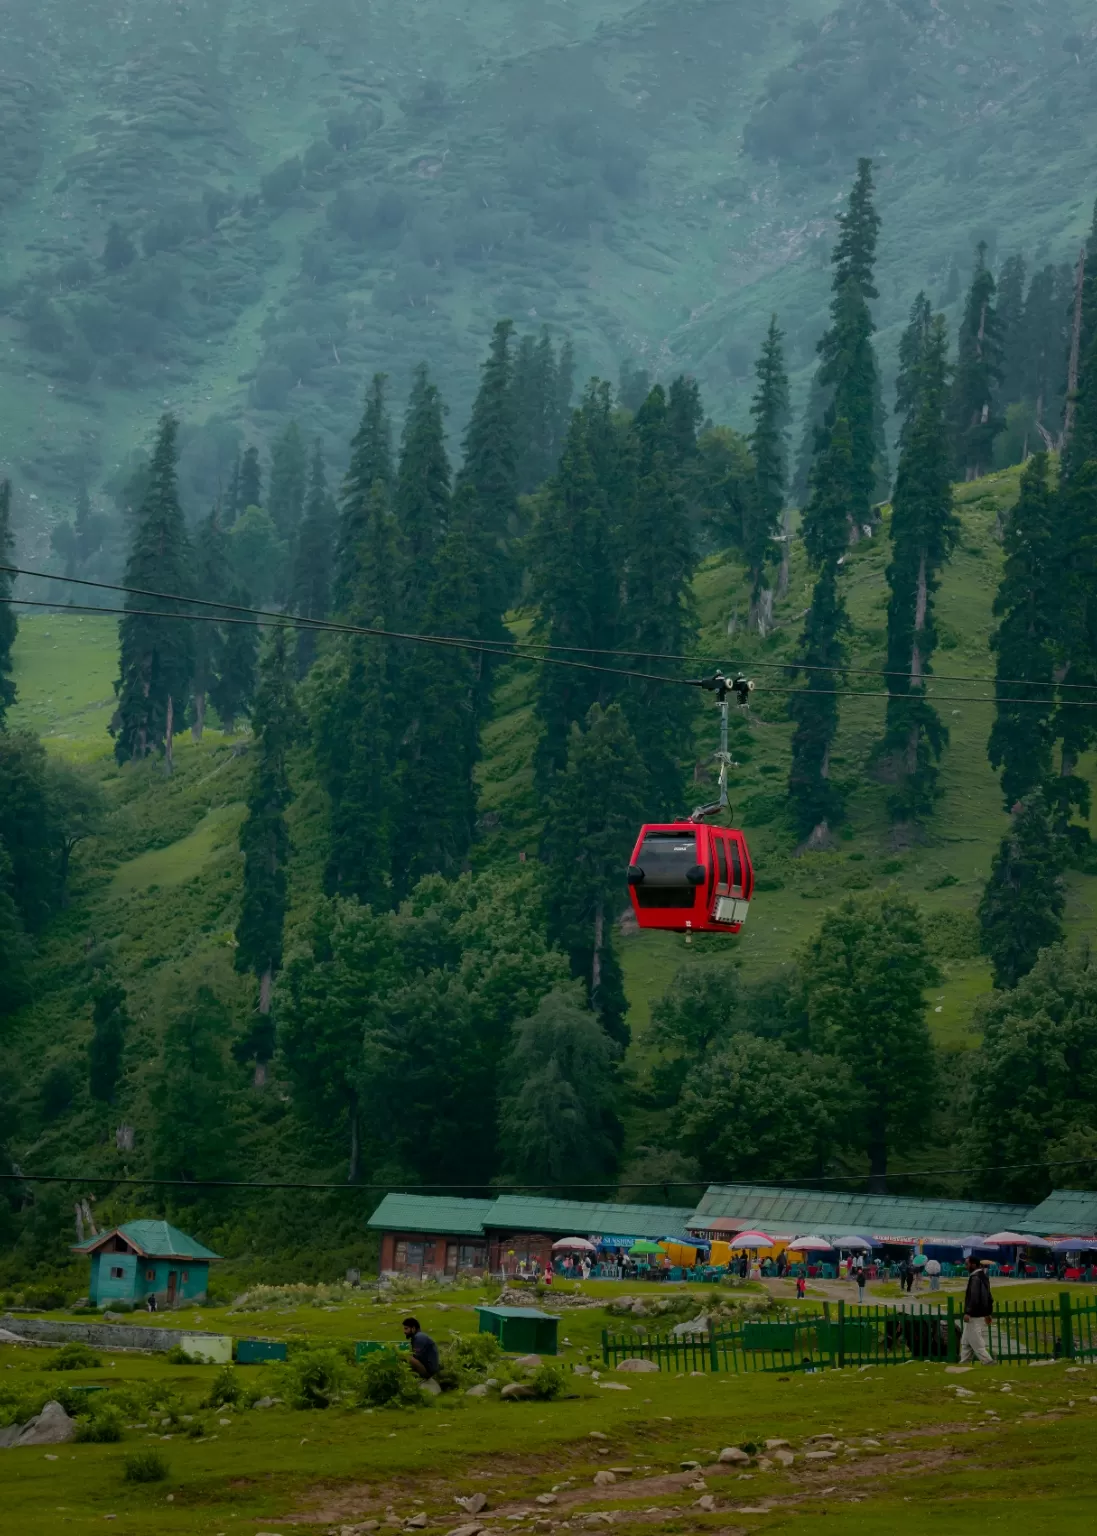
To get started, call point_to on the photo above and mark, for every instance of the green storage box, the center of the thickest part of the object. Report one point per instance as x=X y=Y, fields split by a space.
x=258 y=1351
x=367 y=1347
x=520 y=1330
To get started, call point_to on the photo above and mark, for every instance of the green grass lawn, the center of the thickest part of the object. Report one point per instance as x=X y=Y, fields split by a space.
x=182 y=860
x=915 y=1452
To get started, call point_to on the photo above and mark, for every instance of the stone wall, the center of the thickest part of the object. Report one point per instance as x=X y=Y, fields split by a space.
x=114 y=1335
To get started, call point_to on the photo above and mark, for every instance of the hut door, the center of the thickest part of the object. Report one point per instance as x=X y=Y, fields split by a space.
x=172 y=1279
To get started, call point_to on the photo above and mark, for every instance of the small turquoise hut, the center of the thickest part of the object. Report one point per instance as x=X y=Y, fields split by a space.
x=143 y=1258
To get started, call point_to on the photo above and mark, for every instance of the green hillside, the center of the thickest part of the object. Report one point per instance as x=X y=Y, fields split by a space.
x=307 y=190
x=158 y=891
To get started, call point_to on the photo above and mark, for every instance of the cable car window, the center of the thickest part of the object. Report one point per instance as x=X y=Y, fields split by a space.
x=736 y=866
x=666 y=859
x=722 y=861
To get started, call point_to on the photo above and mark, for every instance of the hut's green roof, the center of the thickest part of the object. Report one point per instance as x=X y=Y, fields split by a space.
x=562 y=1218
x=446 y=1214
x=835 y=1214
x=1064 y=1212
x=152 y=1240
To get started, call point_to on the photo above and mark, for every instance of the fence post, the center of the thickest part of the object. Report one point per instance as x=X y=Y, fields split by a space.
x=829 y=1330
x=605 y=1346
x=714 y=1359
x=841 y=1335
x=1066 y=1322
x=952 y=1351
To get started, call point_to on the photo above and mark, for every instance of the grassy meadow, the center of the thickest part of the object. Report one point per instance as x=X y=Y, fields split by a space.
x=1012 y=1446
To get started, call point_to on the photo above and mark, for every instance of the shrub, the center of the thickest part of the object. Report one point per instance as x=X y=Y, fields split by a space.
x=145 y=1467
x=548 y=1382
x=315 y=1378
x=104 y=1427
x=177 y=1355
x=73 y=1357
x=387 y=1380
x=226 y=1391
x=475 y=1351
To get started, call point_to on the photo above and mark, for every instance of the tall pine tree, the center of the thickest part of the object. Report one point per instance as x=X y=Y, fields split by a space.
x=575 y=576
x=232 y=687
x=156 y=654
x=924 y=530
x=491 y=463
x=1013 y=330
x=1022 y=906
x=594 y=809
x=211 y=569
x=8 y=625
x=657 y=613
x=1080 y=445
x=974 y=414
x=265 y=844
x=249 y=487
x=765 y=501
x=354 y=727
x=1027 y=609
x=370 y=464
x=815 y=800
x=422 y=496
x=288 y=482
x=310 y=593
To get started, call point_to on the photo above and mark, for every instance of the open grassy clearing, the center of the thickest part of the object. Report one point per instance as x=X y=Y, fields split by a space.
x=1014 y=1445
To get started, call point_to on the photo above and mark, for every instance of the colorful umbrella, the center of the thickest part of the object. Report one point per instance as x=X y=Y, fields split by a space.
x=1074 y=1245
x=1005 y=1240
x=811 y=1245
x=644 y=1249
x=1036 y=1242
x=751 y=1240
x=854 y=1244
x=580 y=1244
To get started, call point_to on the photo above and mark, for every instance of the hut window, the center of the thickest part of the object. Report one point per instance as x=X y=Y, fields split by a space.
x=150 y=1274
x=116 y=1273
x=184 y=1274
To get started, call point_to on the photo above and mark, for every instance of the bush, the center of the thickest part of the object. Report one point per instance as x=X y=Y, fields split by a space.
x=73 y=1357
x=547 y=1381
x=145 y=1467
x=104 y=1427
x=387 y=1380
x=177 y=1355
x=315 y=1378
x=226 y=1391
x=475 y=1351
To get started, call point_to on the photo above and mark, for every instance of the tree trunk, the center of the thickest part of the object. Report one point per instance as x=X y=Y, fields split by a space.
x=921 y=603
x=1075 y=353
x=169 y=736
x=266 y=986
x=761 y=612
x=259 y=1076
x=782 y=577
x=596 y=959
x=199 y=721
x=352 y=1162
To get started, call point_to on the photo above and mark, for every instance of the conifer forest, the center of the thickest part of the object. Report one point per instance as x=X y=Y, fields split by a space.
x=620 y=343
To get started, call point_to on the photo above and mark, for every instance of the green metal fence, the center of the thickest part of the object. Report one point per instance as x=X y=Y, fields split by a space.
x=839 y=1336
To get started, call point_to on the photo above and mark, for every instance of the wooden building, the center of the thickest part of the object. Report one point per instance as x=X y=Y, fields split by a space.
x=143 y=1258
x=431 y=1234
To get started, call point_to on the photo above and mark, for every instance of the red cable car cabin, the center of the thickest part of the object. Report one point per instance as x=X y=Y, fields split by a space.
x=689 y=878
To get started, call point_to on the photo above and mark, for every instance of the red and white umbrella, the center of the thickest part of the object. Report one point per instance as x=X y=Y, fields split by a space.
x=1007 y=1240
x=811 y=1245
x=751 y=1240
x=575 y=1244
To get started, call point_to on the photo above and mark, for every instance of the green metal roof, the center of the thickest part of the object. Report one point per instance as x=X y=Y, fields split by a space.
x=152 y=1240
x=1065 y=1212
x=562 y=1218
x=548 y=1317
x=835 y=1214
x=447 y=1214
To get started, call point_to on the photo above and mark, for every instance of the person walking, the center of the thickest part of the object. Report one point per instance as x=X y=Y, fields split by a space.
x=801 y=1287
x=859 y=1276
x=978 y=1310
x=933 y=1271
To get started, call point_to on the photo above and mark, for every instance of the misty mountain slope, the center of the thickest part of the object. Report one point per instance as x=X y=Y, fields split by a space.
x=304 y=193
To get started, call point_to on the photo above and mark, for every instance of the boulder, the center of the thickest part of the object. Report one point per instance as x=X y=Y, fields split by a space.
x=605 y=1478
x=517 y=1390
x=528 y=1362
x=430 y=1387
x=479 y=1390
x=706 y=1502
x=820 y=1455
x=776 y=1445
x=9 y=1435
x=546 y=1498
x=473 y=1503
x=596 y=1434
x=581 y=1370
x=114 y=1317
x=50 y=1427
x=472 y=1529
x=417 y=1522
x=634 y=1363
x=698 y=1324
x=786 y=1458
x=265 y=1402
x=614 y=1386
x=690 y=1466
x=732 y=1456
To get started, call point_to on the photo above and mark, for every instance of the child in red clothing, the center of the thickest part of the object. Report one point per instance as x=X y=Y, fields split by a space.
x=801 y=1287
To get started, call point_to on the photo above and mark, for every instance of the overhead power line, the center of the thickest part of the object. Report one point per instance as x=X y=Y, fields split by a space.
x=514 y=647
x=505 y=650
x=425 y=1188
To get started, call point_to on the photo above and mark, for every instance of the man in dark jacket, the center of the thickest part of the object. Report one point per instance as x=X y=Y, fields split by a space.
x=978 y=1310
